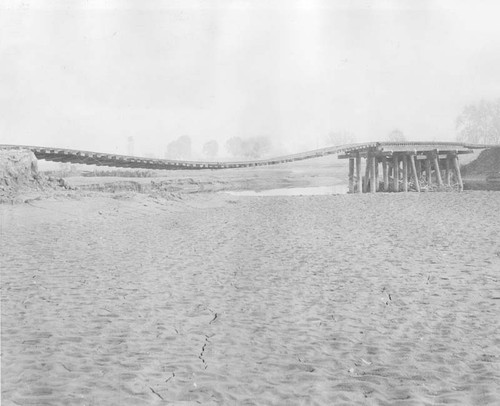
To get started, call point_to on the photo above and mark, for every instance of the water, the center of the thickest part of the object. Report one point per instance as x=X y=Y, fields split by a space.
x=297 y=191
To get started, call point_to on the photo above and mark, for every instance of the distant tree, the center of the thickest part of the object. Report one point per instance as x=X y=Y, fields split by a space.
x=256 y=147
x=180 y=148
x=480 y=123
x=250 y=148
x=342 y=137
x=396 y=136
x=211 y=148
x=172 y=150
x=184 y=145
x=234 y=146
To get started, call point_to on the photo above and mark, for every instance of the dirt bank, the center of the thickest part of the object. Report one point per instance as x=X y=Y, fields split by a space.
x=484 y=172
x=18 y=174
x=20 y=180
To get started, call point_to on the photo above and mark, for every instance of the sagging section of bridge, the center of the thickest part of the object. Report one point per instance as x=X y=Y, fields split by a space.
x=401 y=169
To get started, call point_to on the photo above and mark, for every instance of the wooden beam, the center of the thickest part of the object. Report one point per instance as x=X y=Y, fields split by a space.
x=385 y=173
x=373 y=170
x=415 y=173
x=367 y=175
x=448 y=170
x=405 y=173
x=428 y=170
x=359 y=181
x=351 y=175
x=395 y=173
x=437 y=170
x=459 y=175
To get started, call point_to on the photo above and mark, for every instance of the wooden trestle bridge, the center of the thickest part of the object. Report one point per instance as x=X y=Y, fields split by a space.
x=404 y=165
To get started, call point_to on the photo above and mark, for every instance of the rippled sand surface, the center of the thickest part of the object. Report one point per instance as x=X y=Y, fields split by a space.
x=386 y=299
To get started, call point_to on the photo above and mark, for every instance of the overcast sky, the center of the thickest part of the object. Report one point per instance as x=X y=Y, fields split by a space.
x=89 y=74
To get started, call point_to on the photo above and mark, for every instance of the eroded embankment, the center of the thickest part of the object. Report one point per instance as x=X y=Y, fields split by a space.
x=20 y=180
x=484 y=172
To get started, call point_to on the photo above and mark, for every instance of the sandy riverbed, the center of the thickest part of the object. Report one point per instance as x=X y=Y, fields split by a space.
x=217 y=299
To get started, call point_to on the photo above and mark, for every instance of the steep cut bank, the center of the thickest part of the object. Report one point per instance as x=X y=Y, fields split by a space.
x=487 y=163
x=18 y=173
x=483 y=172
x=20 y=180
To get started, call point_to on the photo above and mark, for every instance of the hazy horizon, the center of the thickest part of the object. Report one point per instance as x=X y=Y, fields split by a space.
x=89 y=74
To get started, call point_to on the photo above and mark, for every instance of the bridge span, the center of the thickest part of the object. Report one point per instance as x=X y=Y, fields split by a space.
x=403 y=166
x=126 y=161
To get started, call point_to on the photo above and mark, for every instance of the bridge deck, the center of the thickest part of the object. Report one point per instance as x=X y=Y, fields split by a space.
x=124 y=161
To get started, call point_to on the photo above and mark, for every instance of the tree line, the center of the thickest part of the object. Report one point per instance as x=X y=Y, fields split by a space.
x=237 y=147
x=477 y=123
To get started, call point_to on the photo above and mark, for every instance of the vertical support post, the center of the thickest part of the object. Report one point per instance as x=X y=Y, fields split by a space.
x=373 y=173
x=428 y=170
x=418 y=164
x=459 y=175
x=415 y=173
x=395 y=172
x=448 y=170
x=385 y=173
x=405 y=173
x=437 y=169
x=351 y=175
x=367 y=174
x=359 y=181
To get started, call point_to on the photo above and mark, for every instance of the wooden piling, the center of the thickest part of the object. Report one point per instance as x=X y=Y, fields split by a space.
x=351 y=175
x=437 y=170
x=428 y=171
x=457 y=172
x=448 y=170
x=415 y=173
x=359 y=181
x=367 y=174
x=418 y=164
x=395 y=173
x=385 y=173
x=405 y=173
x=373 y=174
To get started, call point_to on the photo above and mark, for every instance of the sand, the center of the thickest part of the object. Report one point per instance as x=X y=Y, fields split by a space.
x=215 y=299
